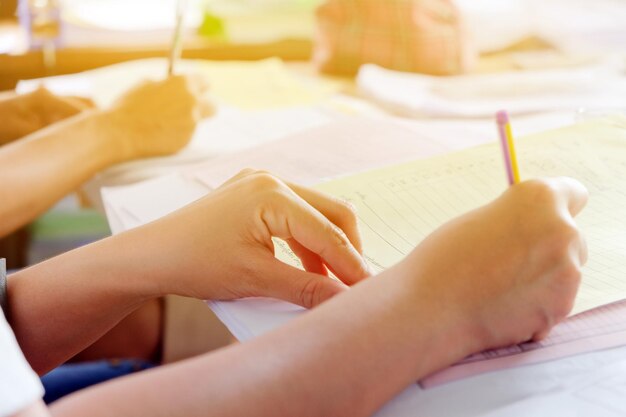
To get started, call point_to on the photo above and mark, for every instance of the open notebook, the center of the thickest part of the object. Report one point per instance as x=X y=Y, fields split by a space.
x=400 y=205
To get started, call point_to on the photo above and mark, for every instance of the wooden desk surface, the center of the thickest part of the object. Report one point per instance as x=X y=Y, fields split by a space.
x=30 y=64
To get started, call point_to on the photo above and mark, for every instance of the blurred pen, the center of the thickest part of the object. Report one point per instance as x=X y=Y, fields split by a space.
x=177 y=40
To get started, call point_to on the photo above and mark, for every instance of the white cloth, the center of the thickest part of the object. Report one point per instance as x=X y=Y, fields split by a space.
x=19 y=385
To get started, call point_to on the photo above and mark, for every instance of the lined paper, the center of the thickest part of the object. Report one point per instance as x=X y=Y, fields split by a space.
x=399 y=206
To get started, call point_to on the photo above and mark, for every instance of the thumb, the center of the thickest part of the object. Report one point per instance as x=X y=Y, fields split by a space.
x=300 y=287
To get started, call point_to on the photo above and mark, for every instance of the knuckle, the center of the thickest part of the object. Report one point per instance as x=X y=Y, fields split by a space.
x=339 y=239
x=263 y=181
x=562 y=237
x=571 y=274
x=544 y=321
x=338 y=242
x=245 y=172
x=566 y=232
x=538 y=191
x=347 y=211
x=308 y=293
x=557 y=236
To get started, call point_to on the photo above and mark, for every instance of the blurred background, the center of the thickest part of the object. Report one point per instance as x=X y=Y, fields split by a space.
x=39 y=37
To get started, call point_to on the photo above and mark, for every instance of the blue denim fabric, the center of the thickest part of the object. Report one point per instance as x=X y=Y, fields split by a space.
x=69 y=378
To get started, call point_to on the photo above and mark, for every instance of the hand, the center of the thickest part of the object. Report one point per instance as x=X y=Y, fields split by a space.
x=433 y=37
x=159 y=118
x=509 y=270
x=221 y=248
x=33 y=111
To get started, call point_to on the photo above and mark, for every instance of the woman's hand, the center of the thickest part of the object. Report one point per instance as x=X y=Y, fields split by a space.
x=508 y=271
x=158 y=118
x=221 y=247
x=24 y=114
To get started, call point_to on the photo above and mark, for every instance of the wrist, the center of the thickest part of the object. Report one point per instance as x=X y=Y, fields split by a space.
x=152 y=260
x=140 y=267
x=118 y=134
x=436 y=321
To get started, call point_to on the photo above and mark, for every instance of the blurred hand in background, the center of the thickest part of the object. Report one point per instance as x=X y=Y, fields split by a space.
x=158 y=118
x=424 y=36
x=21 y=115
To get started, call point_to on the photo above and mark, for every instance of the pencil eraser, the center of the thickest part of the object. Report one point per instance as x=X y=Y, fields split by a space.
x=502 y=117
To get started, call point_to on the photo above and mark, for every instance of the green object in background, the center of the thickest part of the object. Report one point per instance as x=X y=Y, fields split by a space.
x=67 y=225
x=212 y=26
x=61 y=230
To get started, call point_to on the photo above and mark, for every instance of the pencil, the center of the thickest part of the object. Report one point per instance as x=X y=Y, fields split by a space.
x=177 y=39
x=512 y=153
x=502 y=121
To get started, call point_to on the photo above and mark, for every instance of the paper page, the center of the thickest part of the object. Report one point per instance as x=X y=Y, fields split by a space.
x=133 y=205
x=591 y=384
x=400 y=205
x=521 y=92
x=234 y=130
x=347 y=146
x=600 y=328
x=249 y=85
x=227 y=132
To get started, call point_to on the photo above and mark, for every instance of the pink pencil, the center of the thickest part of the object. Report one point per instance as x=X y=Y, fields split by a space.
x=502 y=119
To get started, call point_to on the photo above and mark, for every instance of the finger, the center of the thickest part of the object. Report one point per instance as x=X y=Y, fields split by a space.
x=300 y=287
x=292 y=217
x=205 y=108
x=74 y=106
x=541 y=335
x=584 y=250
x=342 y=214
x=310 y=261
x=62 y=109
x=571 y=193
x=82 y=102
x=580 y=249
x=198 y=83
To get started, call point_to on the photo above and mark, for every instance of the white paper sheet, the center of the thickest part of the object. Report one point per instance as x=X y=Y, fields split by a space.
x=521 y=92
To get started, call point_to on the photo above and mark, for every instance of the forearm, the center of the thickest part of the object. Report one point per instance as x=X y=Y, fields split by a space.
x=11 y=125
x=61 y=306
x=139 y=335
x=40 y=169
x=347 y=357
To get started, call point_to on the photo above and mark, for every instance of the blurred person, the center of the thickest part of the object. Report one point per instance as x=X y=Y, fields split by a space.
x=56 y=157
x=489 y=282
x=425 y=36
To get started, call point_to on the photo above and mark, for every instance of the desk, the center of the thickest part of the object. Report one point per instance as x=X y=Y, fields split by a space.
x=30 y=64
